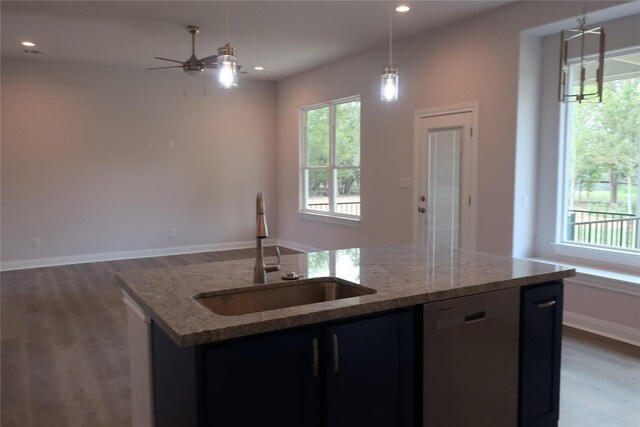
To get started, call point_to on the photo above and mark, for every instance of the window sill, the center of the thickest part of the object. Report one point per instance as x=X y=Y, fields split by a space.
x=351 y=222
x=599 y=278
x=597 y=254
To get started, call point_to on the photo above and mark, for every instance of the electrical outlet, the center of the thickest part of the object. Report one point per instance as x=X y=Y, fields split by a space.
x=149 y=143
x=173 y=232
x=35 y=242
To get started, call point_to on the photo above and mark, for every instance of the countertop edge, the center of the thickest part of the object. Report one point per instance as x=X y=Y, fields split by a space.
x=287 y=321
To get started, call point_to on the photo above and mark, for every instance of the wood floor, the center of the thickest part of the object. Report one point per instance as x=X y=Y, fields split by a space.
x=65 y=363
x=600 y=382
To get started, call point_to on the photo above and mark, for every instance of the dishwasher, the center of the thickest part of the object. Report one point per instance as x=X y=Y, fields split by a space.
x=470 y=371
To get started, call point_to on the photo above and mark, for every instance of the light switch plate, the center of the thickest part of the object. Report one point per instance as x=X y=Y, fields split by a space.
x=406 y=183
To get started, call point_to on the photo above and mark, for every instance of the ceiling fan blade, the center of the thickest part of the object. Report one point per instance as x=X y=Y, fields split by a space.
x=209 y=59
x=167 y=59
x=243 y=72
x=162 y=68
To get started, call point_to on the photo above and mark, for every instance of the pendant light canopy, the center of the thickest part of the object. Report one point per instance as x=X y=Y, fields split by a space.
x=227 y=61
x=389 y=80
x=572 y=45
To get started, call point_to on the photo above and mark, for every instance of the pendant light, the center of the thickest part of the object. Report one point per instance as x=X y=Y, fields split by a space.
x=389 y=80
x=227 y=61
x=572 y=44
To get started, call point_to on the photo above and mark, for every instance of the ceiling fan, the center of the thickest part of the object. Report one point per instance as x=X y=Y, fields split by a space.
x=193 y=64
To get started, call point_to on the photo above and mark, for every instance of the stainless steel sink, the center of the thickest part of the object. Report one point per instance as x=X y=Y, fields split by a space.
x=274 y=296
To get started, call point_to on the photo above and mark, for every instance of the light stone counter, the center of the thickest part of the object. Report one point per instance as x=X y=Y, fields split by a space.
x=403 y=276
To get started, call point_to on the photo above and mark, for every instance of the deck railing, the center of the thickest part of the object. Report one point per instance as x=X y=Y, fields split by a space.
x=619 y=230
x=347 y=208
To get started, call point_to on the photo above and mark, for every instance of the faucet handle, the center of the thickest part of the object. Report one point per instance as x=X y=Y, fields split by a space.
x=273 y=267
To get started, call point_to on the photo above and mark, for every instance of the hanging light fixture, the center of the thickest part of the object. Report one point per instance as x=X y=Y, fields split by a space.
x=572 y=45
x=227 y=61
x=389 y=80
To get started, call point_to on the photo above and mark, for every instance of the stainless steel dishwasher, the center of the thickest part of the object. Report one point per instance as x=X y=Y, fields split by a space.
x=471 y=361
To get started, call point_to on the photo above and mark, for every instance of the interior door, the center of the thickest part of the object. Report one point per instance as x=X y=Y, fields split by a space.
x=445 y=180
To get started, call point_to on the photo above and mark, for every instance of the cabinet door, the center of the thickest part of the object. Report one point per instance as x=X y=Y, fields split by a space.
x=540 y=341
x=370 y=372
x=269 y=380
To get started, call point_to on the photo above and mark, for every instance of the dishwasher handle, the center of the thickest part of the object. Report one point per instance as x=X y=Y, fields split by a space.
x=462 y=319
x=475 y=317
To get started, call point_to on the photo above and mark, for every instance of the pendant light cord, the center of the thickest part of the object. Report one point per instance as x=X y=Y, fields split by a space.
x=391 y=39
x=226 y=19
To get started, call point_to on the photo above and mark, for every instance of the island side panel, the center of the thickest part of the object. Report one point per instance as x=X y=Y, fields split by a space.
x=175 y=381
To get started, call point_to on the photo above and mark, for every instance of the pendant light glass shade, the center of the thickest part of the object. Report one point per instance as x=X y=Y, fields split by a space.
x=389 y=84
x=227 y=67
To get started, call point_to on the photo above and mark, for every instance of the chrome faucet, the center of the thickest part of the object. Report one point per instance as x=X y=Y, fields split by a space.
x=261 y=269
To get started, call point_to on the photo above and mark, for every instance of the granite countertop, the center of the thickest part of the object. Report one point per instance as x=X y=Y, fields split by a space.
x=402 y=276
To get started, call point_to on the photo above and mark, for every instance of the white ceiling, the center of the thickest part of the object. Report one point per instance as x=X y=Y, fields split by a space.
x=286 y=37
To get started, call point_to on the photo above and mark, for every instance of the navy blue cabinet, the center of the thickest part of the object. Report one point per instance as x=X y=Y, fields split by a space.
x=265 y=380
x=351 y=372
x=370 y=372
x=540 y=345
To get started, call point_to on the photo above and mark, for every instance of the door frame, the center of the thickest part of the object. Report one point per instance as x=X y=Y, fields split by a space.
x=468 y=107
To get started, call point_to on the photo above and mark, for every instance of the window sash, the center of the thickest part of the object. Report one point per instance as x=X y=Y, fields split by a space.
x=332 y=168
x=562 y=238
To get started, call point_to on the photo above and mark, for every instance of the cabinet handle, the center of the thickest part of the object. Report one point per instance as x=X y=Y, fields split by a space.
x=546 y=304
x=336 y=353
x=314 y=365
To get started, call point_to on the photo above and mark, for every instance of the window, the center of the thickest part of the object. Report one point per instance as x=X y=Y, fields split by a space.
x=601 y=206
x=330 y=147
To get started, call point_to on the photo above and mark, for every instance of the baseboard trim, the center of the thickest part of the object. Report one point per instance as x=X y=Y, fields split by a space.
x=113 y=256
x=297 y=246
x=601 y=327
x=145 y=253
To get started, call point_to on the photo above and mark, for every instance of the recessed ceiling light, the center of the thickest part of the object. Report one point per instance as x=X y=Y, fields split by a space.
x=258 y=68
x=403 y=8
x=28 y=44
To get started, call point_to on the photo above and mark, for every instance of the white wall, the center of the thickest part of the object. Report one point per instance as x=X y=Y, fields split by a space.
x=526 y=162
x=473 y=60
x=78 y=175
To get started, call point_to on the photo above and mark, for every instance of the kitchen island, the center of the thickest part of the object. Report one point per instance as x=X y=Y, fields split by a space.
x=187 y=342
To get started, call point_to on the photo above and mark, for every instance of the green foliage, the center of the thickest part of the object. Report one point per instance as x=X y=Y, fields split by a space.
x=606 y=140
x=347 y=146
x=318 y=137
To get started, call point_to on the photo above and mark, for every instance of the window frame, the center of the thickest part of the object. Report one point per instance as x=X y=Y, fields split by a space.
x=331 y=216
x=562 y=246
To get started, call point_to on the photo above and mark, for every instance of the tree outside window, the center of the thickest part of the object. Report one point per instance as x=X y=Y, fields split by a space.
x=331 y=147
